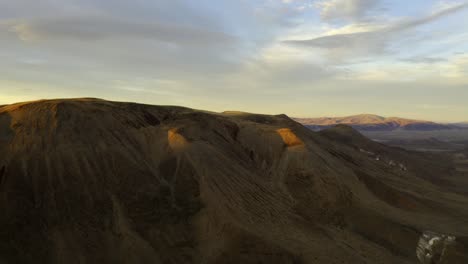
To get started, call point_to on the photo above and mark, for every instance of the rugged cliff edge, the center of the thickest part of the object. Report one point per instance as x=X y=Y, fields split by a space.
x=92 y=181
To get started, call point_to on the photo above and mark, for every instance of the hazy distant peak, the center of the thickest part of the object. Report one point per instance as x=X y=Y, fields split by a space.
x=373 y=122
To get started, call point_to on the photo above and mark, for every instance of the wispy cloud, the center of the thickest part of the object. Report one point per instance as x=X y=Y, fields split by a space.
x=352 y=10
x=292 y=56
x=424 y=60
x=98 y=28
x=373 y=41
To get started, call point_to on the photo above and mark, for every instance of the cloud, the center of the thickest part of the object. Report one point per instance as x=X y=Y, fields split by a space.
x=23 y=31
x=107 y=45
x=351 y=10
x=424 y=60
x=177 y=39
x=450 y=71
x=201 y=48
x=99 y=28
x=374 y=41
x=456 y=68
x=231 y=54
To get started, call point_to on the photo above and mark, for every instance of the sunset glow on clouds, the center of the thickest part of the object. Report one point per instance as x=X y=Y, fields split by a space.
x=299 y=57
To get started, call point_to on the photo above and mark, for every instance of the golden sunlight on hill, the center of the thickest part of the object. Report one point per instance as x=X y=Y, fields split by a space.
x=177 y=142
x=289 y=138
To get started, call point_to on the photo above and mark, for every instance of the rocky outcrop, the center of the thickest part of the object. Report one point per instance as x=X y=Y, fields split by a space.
x=434 y=248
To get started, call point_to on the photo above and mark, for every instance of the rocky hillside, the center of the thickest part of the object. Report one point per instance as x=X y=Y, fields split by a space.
x=92 y=181
x=368 y=122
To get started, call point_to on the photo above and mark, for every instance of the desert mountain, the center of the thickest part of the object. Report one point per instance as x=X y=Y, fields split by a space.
x=462 y=124
x=368 y=122
x=93 y=181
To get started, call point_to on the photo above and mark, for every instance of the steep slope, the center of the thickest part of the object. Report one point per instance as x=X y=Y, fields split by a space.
x=92 y=181
x=366 y=122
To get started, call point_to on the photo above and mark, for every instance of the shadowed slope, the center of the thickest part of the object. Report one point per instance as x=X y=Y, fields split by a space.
x=91 y=181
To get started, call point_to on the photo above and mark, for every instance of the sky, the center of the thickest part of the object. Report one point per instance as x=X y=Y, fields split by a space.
x=304 y=58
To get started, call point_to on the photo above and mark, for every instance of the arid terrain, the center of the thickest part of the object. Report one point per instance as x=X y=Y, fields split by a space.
x=368 y=122
x=93 y=181
x=400 y=132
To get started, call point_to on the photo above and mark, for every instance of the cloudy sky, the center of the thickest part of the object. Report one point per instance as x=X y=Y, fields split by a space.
x=300 y=57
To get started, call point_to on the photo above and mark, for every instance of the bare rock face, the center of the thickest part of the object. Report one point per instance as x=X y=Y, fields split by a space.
x=92 y=181
x=434 y=248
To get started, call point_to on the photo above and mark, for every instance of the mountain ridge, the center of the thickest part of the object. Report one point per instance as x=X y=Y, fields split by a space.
x=370 y=122
x=94 y=181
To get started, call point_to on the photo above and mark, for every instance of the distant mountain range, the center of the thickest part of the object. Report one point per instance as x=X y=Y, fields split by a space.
x=462 y=124
x=367 y=122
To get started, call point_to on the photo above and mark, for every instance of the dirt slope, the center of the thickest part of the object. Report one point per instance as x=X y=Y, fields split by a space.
x=92 y=181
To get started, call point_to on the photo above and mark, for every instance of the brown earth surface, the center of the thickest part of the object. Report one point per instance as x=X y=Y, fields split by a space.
x=93 y=181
